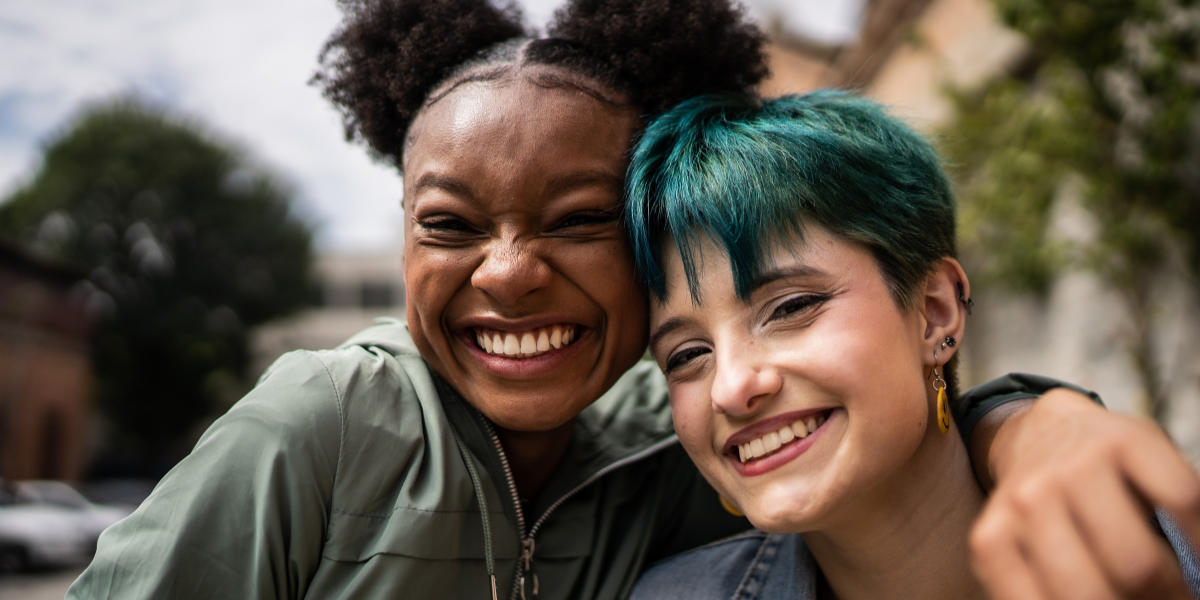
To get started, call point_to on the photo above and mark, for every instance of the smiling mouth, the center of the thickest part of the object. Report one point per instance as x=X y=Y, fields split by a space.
x=770 y=443
x=525 y=344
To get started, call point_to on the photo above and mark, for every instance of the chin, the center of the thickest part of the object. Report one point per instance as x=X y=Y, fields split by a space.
x=790 y=513
x=522 y=414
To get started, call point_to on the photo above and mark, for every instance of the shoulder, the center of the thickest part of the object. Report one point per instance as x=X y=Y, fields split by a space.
x=712 y=571
x=749 y=566
x=1185 y=552
x=638 y=402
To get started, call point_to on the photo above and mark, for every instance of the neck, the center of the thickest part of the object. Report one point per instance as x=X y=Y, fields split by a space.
x=533 y=455
x=906 y=537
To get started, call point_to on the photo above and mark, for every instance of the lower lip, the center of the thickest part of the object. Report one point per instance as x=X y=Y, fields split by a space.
x=523 y=368
x=785 y=454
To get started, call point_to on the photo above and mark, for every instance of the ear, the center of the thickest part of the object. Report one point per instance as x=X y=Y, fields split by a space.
x=943 y=314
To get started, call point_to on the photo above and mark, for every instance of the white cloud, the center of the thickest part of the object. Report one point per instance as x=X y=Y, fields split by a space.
x=241 y=67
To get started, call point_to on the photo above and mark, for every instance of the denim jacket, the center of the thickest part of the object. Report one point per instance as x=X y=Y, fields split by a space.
x=763 y=566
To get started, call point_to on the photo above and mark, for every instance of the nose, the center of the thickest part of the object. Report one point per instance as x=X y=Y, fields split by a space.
x=742 y=383
x=510 y=271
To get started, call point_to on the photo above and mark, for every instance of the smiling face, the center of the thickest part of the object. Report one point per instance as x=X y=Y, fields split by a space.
x=520 y=279
x=806 y=397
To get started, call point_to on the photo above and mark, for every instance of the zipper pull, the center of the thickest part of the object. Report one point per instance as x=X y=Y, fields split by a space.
x=527 y=546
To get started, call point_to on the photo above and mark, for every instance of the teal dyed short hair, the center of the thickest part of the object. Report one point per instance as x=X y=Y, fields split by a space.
x=744 y=172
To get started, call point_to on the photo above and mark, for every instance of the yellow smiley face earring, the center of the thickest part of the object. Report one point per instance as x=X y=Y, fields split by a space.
x=939 y=384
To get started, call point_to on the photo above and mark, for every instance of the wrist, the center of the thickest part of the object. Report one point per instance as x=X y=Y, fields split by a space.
x=992 y=441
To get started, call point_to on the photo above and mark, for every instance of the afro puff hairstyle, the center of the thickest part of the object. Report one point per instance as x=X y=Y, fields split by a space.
x=381 y=65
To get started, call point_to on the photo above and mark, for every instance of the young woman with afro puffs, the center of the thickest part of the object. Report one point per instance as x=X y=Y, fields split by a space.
x=504 y=441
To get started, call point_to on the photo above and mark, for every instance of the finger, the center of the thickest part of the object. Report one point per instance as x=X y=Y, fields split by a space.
x=996 y=557
x=1116 y=527
x=1158 y=471
x=1061 y=560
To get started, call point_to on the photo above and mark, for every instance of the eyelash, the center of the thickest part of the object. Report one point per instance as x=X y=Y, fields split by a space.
x=797 y=304
x=586 y=219
x=678 y=359
x=785 y=310
x=448 y=224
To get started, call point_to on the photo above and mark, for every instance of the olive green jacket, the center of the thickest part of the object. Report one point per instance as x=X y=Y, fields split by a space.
x=342 y=475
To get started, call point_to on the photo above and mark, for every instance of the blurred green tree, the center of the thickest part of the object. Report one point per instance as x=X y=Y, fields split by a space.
x=1103 y=110
x=188 y=245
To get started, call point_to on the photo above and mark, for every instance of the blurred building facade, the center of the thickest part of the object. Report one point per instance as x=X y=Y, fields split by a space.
x=45 y=371
x=353 y=289
x=908 y=54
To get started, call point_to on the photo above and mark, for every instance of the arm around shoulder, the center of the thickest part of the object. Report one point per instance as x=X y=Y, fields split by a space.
x=244 y=515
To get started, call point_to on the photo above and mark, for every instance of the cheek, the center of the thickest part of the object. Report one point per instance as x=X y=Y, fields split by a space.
x=693 y=417
x=606 y=274
x=431 y=278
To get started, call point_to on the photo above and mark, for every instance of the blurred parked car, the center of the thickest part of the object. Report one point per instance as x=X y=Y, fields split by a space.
x=49 y=523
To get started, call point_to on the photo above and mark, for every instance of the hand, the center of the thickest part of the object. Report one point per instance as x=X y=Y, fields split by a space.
x=1070 y=514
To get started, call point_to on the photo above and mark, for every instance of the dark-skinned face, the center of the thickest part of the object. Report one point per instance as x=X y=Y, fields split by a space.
x=520 y=280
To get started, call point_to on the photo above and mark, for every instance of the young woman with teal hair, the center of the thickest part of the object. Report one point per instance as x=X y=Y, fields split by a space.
x=505 y=440
x=807 y=312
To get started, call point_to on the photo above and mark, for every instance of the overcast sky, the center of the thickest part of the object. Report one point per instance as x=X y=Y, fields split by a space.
x=241 y=67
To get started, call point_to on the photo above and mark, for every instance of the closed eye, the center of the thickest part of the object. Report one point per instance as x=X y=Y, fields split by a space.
x=447 y=224
x=797 y=305
x=587 y=218
x=685 y=356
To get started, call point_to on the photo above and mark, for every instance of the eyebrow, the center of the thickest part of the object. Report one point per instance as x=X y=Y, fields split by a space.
x=669 y=326
x=560 y=185
x=770 y=276
x=443 y=182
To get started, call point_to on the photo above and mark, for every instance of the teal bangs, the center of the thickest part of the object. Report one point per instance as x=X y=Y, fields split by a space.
x=744 y=172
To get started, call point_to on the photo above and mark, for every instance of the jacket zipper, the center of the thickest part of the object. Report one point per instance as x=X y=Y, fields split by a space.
x=525 y=563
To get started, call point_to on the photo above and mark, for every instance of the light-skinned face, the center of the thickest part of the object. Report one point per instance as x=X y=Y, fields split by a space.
x=812 y=395
x=520 y=279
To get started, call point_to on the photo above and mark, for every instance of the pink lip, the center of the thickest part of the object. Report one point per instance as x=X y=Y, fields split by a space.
x=523 y=368
x=785 y=454
x=766 y=426
x=522 y=324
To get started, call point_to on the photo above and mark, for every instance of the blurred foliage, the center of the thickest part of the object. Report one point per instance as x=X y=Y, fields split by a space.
x=1103 y=108
x=187 y=245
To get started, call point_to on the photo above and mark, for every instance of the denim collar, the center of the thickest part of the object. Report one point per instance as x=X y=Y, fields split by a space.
x=783 y=568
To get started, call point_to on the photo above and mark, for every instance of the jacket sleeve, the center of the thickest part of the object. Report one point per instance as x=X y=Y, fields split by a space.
x=244 y=515
x=980 y=400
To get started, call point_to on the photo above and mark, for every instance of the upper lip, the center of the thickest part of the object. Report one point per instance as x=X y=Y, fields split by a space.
x=520 y=324
x=766 y=426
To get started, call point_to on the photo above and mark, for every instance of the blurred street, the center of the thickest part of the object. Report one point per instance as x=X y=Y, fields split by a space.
x=45 y=585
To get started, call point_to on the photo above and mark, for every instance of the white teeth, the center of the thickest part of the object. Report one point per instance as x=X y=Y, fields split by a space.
x=799 y=429
x=775 y=440
x=771 y=441
x=524 y=343
x=786 y=435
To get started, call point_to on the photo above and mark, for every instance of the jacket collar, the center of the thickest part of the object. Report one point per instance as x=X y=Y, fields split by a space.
x=630 y=421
